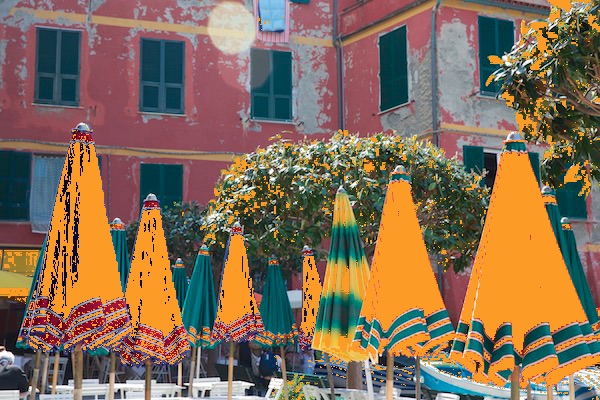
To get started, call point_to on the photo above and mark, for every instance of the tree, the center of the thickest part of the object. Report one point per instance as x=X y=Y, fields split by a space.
x=283 y=196
x=182 y=225
x=552 y=78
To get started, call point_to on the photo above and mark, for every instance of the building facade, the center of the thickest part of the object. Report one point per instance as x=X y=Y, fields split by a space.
x=175 y=88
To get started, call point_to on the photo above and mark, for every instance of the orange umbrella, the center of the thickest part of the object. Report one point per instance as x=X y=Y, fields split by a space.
x=311 y=295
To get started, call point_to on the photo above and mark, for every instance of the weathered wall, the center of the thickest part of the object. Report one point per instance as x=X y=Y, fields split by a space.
x=217 y=87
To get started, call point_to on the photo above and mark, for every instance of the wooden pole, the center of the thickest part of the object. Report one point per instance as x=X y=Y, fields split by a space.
x=549 y=394
x=389 y=378
x=529 y=397
x=284 y=373
x=198 y=362
x=179 y=377
x=515 y=378
x=36 y=374
x=55 y=373
x=111 y=376
x=369 y=380
x=78 y=373
x=330 y=376
x=44 y=373
x=192 y=365
x=418 y=377
x=230 y=372
x=148 y=380
x=571 y=387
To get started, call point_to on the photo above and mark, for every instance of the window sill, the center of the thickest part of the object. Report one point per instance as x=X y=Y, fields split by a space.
x=15 y=221
x=273 y=121
x=394 y=108
x=486 y=96
x=56 y=106
x=162 y=114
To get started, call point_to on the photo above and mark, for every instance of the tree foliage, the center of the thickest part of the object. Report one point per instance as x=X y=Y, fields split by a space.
x=182 y=225
x=552 y=78
x=283 y=196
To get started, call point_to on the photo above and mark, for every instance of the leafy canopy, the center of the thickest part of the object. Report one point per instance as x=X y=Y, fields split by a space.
x=552 y=78
x=283 y=196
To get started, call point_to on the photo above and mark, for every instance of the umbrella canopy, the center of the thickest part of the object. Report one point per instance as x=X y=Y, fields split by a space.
x=200 y=306
x=276 y=311
x=417 y=322
x=180 y=281
x=345 y=285
x=573 y=262
x=119 y=239
x=158 y=334
x=238 y=318
x=311 y=294
x=29 y=307
x=78 y=299
x=14 y=285
x=544 y=328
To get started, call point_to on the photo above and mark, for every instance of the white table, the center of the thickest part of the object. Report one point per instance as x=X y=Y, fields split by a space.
x=346 y=394
x=157 y=389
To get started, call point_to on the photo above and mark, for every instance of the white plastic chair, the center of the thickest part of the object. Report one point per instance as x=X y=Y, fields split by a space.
x=275 y=385
x=62 y=366
x=9 y=395
x=311 y=392
x=220 y=389
x=134 y=395
x=85 y=382
x=200 y=388
x=447 y=396
x=62 y=396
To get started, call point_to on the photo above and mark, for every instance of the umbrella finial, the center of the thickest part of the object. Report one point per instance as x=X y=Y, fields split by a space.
x=273 y=260
x=307 y=251
x=237 y=228
x=82 y=133
x=341 y=189
x=179 y=263
x=151 y=201
x=546 y=190
x=203 y=250
x=566 y=223
x=400 y=173
x=117 y=224
x=513 y=136
x=514 y=143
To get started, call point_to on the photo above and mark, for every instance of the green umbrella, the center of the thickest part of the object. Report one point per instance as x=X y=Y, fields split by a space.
x=181 y=282
x=571 y=256
x=119 y=239
x=278 y=319
x=549 y=196
x=200 y=308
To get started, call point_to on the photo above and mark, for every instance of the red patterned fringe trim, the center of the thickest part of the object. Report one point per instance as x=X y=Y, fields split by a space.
x=149 y=343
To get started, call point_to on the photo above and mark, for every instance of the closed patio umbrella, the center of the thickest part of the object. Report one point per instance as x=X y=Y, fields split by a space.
x=180 y=281
x=311 y=294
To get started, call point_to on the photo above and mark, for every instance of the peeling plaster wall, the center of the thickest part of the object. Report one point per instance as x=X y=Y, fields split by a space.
x=216 y=85
x=361 y=83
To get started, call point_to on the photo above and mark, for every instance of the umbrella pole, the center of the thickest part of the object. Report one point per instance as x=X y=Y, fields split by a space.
x=148 y=380
x=417 y=377
x=330 y=376
x=549 y=394
x=55 y=373
x=230 y=372
x=515 y=377
x=369 y=380
x=111 y=376
x=529 y=391
x=36 y=374
x=77 y=373
x=284 y=373
x=179 y=377
x=198 y=361
x=571 y=387
x=192 y=365
x=389 y=378
x=44 y=373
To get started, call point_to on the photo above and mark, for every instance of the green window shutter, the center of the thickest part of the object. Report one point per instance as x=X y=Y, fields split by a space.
x=69 y=67
x=473 y=158
x=174 y=71
x=260 y=82
x=150 y=71
x=15 y=181
x=570 y=204
x=282 y=84
x=487 y=47
x=46 y=64
x=393 y=69
x=534 y=158
x=506 y=36
x=172 y=184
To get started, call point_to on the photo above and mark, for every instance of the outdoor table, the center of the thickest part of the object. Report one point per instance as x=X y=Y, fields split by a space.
x=201 y=387
x=160 y=389
x=99 y=389
x=242 y=386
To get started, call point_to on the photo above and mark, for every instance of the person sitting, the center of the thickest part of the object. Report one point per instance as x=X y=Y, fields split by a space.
x=12 y=376
x=267 y=366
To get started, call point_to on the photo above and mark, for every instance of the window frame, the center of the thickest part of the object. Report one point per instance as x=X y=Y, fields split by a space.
x=407 y=100
x=162 y=85
x=272 y=96
x=162 y=201
x=483 y=89
x=57 y=75
x=11 y=180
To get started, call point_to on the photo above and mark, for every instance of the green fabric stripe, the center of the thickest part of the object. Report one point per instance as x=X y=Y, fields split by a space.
x=436 y=317
x=405 y=318
x=573 y=353
x=514 y=146
x=441 y=330
x=566 y=333
x=536 y=334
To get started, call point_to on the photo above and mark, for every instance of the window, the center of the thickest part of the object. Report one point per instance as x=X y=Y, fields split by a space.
x=496 y=37
x=15 y=170
x=45 y=179
x=57 y=68
x=164 y=180
x=393 y=69
x=477 y=159
x=161 y=84
x=570 y=204
x=271 y=84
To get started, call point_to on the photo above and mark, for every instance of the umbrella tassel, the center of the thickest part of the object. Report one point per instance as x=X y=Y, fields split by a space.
x=148 y=380
x=330 y=376
x=36 y=374
x=77 y=372
x=44 y=373
x=192 y=365
x=284 y=373
x=389 y=383
x=111 y=376
x=230 y=372
x=55 y=373
x=515 y=378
